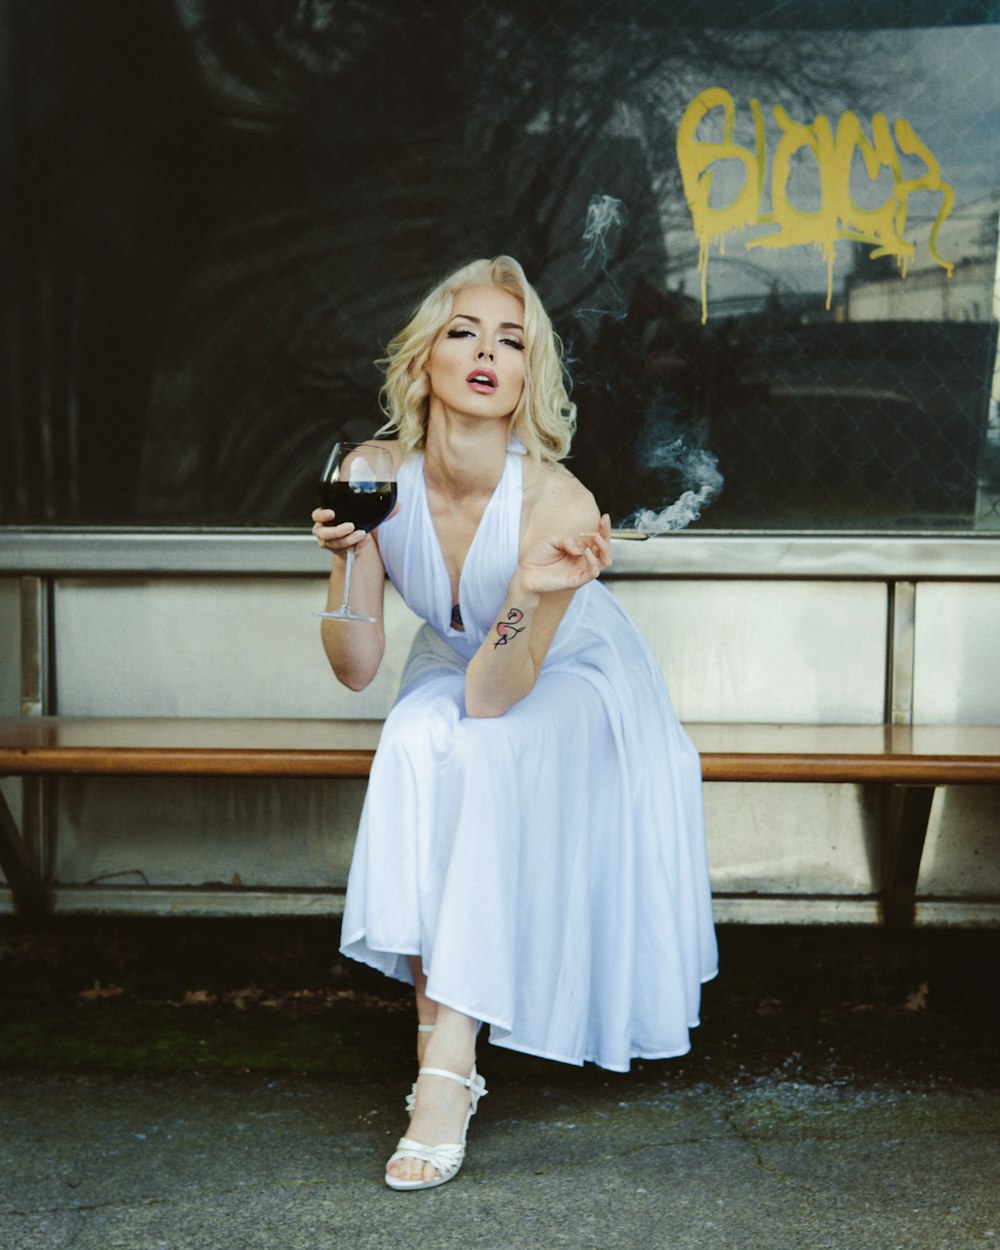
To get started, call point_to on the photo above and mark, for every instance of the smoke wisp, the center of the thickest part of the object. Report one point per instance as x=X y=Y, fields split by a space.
x=701 y=483
x=605 y=214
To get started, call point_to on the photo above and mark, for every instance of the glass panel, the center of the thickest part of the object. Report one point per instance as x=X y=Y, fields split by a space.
x=769 y=242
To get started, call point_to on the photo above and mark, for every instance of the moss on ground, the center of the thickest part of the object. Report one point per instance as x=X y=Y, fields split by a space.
x=180 y=996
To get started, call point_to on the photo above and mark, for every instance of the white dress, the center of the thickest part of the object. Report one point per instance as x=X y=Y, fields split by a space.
x=548 y=865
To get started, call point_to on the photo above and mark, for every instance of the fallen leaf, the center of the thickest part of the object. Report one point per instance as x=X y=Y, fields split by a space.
x=199 y=998
x=917 y=1001
x=98 y=991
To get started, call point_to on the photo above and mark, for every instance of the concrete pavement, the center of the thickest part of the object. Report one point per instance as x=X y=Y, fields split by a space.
x=842 y=1094
x=100 y=1162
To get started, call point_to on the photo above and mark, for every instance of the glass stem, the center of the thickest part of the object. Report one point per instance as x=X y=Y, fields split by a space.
x=347 y=579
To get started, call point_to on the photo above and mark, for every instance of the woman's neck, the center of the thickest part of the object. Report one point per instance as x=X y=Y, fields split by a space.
x=463 y=458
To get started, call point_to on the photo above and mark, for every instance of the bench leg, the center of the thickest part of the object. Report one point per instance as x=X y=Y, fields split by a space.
x=908 y=810
x=18 y=867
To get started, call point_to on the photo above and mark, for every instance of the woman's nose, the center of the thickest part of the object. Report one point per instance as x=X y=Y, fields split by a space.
x=483 y=352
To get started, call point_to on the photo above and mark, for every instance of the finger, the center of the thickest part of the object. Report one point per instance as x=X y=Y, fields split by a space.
x=339 y=537
x=599 y=544
x=336 y=532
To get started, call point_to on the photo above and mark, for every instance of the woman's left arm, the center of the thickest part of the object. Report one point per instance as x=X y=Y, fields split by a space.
x=506 y=666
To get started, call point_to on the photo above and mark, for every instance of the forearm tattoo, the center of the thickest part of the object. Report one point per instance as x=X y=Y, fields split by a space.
x=509 y=629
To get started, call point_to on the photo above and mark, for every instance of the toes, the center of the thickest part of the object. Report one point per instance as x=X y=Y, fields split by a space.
x=420 y=1171
x=412 y=1170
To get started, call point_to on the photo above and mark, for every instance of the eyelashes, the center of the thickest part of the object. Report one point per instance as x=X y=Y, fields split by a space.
x=460 y=332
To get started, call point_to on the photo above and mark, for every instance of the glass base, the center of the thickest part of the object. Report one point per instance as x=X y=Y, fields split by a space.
x=343 y=616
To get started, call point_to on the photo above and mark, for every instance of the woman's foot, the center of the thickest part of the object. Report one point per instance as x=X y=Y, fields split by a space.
x=441 y=1106
x=441 y=1162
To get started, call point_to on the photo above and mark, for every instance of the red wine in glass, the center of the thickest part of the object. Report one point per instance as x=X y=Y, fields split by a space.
x=366 y=504
x=359 y=483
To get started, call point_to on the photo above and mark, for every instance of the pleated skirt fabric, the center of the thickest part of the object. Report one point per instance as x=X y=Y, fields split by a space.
x=548 y=867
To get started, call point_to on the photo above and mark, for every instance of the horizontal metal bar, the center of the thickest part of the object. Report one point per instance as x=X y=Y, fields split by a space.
x=699 y=554
x=787 y=909
x=795 y=909
x=164 y=901
x=957 y=912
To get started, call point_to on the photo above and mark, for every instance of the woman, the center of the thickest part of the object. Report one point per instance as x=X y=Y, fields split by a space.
x=531 y=852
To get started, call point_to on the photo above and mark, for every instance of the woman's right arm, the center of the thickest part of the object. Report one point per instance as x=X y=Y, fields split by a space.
x=354 y=648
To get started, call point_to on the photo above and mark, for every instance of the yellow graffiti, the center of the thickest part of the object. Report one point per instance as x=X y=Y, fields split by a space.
x=838 y=216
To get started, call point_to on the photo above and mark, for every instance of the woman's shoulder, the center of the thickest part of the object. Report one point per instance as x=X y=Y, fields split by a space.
x=556 y=497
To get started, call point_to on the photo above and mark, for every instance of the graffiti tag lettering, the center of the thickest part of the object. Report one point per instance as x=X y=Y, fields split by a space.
x=838 y=216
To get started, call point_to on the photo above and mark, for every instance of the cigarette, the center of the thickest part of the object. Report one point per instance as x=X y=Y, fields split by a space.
x=630 y=535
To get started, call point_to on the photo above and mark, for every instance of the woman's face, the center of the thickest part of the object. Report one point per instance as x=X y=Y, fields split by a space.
x=476 y=366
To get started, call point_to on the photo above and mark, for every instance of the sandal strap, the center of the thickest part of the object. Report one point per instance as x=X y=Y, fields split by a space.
x=474 y=1083
x=451 y=1076
x=445 y=1158
x=425 y=1028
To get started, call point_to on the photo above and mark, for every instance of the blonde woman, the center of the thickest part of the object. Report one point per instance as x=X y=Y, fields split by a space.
x=531 y=853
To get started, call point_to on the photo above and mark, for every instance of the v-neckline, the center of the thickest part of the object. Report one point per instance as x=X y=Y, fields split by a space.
x=442 y=563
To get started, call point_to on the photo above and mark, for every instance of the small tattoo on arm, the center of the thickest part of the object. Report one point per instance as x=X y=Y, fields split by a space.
x=508 y=631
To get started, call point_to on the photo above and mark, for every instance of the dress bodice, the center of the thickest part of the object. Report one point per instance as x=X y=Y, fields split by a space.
x=415 y=563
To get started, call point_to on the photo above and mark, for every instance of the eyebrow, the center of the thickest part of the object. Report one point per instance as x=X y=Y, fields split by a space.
x=504 y=325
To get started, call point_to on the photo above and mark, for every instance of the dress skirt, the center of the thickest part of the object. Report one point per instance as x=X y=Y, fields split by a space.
x=547 y=866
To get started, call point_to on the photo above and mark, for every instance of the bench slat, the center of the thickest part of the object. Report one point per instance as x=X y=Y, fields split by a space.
x=921 y=754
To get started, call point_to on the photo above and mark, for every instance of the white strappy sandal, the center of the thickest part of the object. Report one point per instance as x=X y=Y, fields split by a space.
x=446 y=1158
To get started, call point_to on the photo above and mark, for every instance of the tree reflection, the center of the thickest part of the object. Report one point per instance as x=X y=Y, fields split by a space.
x=217 y=234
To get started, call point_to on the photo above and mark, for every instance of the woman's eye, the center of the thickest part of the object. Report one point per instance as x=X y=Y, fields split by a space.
x=459 y=333
x=515 y=343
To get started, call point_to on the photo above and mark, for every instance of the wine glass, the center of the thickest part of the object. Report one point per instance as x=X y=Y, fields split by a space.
x=359 y=483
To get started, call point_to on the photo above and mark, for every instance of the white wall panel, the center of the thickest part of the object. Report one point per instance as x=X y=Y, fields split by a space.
x=129 y=831
x=766 y=651
x=792 y=838
x=962 y=855
x=733 y=650
x=209 y=647
x=956 y=665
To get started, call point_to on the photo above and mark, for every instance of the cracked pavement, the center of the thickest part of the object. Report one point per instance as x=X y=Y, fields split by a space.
x=98 y=1162
x=842 y=1094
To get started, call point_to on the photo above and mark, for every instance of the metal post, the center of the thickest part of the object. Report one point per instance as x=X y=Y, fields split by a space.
x=32 y=865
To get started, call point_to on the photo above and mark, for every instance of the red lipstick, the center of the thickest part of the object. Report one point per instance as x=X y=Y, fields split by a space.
x=483 y=380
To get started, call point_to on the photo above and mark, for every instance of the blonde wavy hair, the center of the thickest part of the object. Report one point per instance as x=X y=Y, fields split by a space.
x=545 y=417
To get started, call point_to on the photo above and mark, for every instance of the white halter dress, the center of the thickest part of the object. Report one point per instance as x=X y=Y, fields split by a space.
x=548 y=865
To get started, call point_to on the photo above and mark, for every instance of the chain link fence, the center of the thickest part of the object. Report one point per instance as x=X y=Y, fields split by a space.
x=217 y=212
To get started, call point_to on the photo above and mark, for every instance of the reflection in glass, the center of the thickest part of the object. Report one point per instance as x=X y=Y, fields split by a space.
x=211 y=241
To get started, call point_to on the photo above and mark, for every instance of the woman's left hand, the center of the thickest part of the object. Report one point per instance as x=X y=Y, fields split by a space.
x=565 y=563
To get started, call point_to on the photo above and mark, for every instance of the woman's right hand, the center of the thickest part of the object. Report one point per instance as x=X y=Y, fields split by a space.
x=334 y=537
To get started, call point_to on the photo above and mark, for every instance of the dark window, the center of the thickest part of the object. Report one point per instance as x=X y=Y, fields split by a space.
x=218 y=211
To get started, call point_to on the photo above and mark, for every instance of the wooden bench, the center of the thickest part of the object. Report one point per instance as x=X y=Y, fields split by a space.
x=908 y=761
